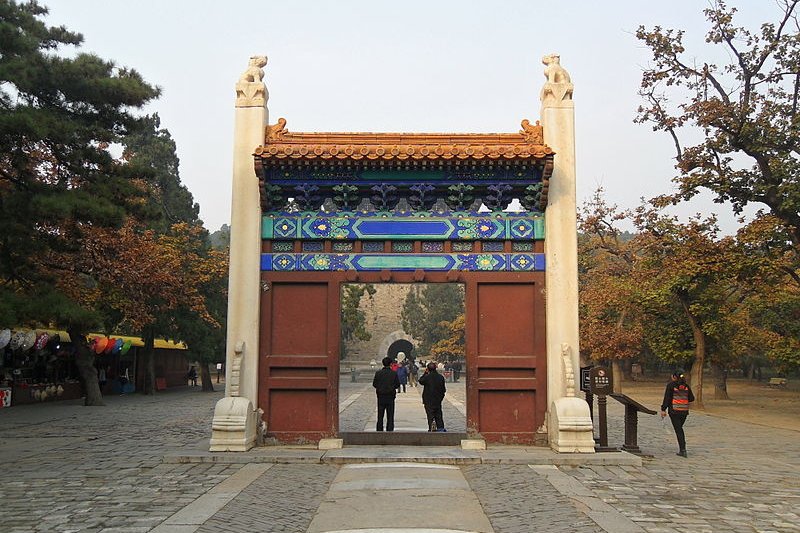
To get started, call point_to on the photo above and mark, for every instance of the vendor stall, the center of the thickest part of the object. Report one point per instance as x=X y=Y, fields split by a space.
x=39 y=365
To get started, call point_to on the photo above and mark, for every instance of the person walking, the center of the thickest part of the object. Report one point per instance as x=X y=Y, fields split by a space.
x=433 y=391
x=402 y=375
x=413 y=372
x=386 y=385
x=456 y=370
x=677 y=397
x=192 y=376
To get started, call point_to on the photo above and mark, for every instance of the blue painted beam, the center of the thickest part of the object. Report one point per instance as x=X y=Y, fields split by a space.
x=315 y=262
x=371 y=227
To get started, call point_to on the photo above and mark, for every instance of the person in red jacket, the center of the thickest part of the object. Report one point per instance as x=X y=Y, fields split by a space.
x=677 y=397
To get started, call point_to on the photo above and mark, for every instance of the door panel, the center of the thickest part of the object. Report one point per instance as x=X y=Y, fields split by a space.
x=298 y=318
x=299 y=365
x=297 y=411
x=505 y=327
x=505 y=357
x=518 y=410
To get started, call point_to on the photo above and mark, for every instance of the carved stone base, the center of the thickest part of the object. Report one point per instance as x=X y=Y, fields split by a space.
x=233 y=428
x=570 y=426
x=251 y=94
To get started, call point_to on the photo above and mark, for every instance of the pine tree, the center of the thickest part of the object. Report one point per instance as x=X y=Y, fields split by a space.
x=62 y=121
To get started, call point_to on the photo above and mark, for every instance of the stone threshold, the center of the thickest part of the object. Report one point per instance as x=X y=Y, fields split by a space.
x=401 y=438
x=452 y=455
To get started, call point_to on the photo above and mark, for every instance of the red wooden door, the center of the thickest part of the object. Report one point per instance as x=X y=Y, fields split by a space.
x=506 y=356
x=299 y=367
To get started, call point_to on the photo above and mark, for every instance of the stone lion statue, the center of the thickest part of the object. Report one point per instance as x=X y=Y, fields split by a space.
x=553 y=70
x=558 y=85
x=254 y=72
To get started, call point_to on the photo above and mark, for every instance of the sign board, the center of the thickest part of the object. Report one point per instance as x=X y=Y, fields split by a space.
x=585 y=378
x=600 y=381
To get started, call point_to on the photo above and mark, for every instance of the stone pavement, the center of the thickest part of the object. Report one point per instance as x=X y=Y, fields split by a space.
x=69 y=468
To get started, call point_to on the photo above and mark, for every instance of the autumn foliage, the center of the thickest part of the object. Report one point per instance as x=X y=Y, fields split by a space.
x=685 y=293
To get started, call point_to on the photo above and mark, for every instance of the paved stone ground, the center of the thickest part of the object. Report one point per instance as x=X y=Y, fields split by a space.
x=356 y=414
x=516 y=499
x=73 y=468
x=273 y=501
x=69 y=468
x=738 y=477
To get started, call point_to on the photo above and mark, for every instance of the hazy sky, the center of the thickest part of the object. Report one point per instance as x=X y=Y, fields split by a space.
x=413 y=66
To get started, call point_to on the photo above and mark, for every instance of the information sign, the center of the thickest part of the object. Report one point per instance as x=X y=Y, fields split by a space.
x=585 y=378
x=600 y=381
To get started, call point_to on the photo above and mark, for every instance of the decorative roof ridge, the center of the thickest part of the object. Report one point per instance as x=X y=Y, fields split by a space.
x=279 y=134
x=526 y=144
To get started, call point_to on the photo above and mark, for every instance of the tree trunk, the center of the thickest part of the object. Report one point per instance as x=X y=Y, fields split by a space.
x=205 y=378
x=720 y=375
x=696 y=375
x=150 y=362
x=616 y=368
x=84 y=360
x=627 y=369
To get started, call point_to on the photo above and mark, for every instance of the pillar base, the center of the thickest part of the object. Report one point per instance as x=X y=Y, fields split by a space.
x=570 y=426
x=233 y=428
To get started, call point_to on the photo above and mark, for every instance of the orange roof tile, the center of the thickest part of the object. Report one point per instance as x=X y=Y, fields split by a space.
x=280 y=144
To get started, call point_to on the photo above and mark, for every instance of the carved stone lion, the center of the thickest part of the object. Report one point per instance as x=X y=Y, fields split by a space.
x=254 y=72
x=558 y=85
x=553 y=70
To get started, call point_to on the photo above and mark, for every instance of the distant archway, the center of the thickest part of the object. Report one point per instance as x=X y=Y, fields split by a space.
x=398 y=346
x=396 y=341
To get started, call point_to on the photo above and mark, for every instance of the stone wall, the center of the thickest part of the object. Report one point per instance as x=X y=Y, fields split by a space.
x=383 y=320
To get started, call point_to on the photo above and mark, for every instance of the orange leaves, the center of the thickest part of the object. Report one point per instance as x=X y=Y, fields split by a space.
x=452 y=346
x=143 y=277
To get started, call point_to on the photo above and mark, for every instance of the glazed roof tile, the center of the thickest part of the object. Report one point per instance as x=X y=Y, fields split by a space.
x=282 y=145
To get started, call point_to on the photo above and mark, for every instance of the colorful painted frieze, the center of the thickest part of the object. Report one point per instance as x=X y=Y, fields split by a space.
x=502 y=262
x=402 y=228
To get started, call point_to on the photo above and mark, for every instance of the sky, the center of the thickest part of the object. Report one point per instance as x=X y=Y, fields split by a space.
x=410 y=66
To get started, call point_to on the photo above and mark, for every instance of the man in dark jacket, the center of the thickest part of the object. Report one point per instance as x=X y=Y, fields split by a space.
x=386 y=384
x=677 y=396
x=432 y=395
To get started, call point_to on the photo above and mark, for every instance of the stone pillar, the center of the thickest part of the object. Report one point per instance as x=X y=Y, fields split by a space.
x=569 y=430
x=234 y=425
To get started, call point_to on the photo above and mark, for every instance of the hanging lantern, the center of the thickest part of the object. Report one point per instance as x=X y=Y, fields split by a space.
x=5 y=338
x=41 y=341
x=16 y=340
x=125 y=347
x=117 y=346
x=100 y=344
x=28 y=340
x=109 y=346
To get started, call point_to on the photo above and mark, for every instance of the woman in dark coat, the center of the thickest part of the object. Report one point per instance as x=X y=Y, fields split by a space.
x=677 y=396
